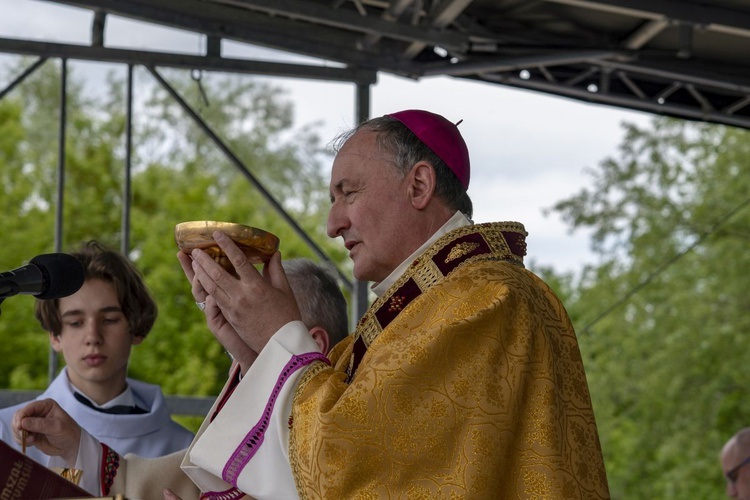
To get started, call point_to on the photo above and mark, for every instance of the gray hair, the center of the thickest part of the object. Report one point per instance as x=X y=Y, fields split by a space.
x=407 y=149
x=319 y=297
x=742 y=440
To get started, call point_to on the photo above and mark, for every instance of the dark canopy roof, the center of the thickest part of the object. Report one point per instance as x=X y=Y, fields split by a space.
x=684 y=58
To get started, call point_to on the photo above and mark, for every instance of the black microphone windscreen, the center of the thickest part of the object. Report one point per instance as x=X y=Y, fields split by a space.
x=63 y=274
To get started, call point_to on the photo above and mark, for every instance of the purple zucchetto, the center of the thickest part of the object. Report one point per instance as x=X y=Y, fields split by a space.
x=442 y=137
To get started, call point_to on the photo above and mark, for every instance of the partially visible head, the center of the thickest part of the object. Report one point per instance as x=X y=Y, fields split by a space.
x=735 y=464
x=112 y=267
x=320 y=301
x=390 y=191
x=95 y=328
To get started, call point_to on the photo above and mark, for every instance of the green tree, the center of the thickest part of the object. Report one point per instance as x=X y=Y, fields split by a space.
x=178 y=174
x=662 y=318
x=28 y=169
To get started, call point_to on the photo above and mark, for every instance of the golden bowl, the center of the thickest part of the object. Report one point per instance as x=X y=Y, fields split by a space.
x=258 y=245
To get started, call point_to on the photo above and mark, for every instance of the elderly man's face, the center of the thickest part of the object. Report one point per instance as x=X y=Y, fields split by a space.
x=731 y=458
x=370 y=208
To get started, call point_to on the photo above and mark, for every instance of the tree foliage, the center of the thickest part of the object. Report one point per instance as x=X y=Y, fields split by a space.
x=179 y=174
x=662 y=317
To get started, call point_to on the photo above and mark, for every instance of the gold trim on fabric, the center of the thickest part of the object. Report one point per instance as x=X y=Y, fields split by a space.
x=460 y=250
x=426 y=273
x=315 y=368
x=492 y=233
x=368 y=329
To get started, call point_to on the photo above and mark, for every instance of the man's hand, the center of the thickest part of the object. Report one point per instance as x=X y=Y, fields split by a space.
x=170 y=495
x=48 y=428
x=215 y=320
x=254 y=305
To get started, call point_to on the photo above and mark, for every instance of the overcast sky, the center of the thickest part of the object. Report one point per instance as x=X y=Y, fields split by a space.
x=528 y=150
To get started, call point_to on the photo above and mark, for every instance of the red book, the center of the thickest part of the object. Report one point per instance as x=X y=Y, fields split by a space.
x=22 y=477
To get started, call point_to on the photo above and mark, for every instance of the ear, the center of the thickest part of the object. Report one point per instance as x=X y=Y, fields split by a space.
x=54 y=341
x=137 y=339
x=422 y=184
x=320 y=336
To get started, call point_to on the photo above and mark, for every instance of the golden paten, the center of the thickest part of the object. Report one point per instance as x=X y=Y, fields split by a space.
x=257 y=244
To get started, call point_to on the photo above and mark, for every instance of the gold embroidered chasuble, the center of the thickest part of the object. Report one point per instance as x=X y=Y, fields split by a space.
x=463 y=380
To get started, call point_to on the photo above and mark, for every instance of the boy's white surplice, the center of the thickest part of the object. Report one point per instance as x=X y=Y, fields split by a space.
x=150 y=434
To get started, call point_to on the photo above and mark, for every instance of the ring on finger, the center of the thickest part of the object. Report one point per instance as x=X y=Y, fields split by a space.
x=201 y=305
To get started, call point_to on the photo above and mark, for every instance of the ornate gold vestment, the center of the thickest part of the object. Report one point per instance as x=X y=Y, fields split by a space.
x=464 y=380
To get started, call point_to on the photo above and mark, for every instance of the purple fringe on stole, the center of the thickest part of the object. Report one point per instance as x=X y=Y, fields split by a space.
x=249 y=446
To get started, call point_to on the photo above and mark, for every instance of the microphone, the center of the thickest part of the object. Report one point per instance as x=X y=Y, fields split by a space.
x=47 y=276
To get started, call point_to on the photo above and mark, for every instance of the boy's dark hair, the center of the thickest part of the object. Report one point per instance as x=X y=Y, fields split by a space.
x=99 y=262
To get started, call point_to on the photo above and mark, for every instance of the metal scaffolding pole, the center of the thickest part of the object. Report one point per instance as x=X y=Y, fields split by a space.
x=22 y=76
x=126 y=190
x=244 y=170
x=361 y=288
x=52 y=369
